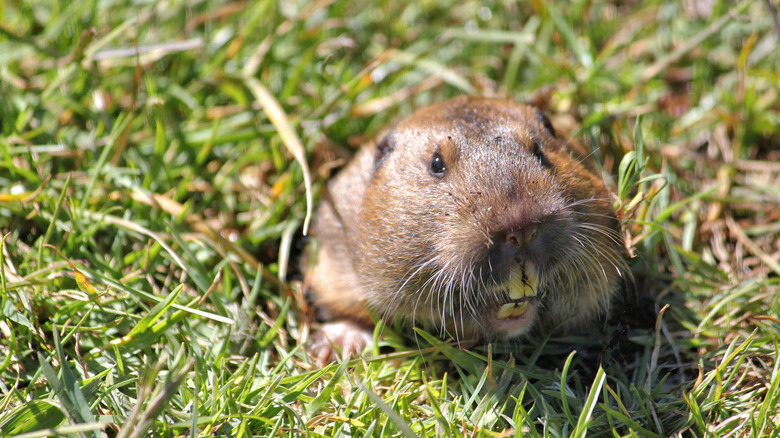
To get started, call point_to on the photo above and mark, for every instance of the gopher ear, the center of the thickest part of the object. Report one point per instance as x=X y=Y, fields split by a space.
x=545 y=122
x=383 y=149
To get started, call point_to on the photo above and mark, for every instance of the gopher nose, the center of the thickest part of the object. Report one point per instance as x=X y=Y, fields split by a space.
x=522 y=236
x=511 y=245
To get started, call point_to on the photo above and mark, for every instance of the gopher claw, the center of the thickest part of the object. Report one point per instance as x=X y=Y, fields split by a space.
x=341 y=338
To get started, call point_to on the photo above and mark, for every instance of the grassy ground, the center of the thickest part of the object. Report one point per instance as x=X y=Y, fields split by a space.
x=152 y=200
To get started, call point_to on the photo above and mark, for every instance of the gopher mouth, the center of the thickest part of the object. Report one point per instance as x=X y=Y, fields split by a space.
x=514 y=316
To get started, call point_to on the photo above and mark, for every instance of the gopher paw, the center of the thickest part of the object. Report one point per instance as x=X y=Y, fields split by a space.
x=345 y=337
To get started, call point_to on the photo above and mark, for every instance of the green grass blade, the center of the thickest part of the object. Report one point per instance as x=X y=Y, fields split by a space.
x=581 y=429
x=396 y=419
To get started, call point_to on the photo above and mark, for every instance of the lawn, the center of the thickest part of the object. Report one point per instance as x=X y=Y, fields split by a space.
x=158 y=161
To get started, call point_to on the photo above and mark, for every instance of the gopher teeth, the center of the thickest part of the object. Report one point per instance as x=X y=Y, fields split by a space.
x=512 y=310
x=522 y=284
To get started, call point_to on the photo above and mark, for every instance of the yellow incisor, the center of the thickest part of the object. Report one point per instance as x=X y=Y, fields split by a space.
x=521 y=285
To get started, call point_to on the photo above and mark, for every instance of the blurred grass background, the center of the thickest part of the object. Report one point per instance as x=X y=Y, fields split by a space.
x=152 y=199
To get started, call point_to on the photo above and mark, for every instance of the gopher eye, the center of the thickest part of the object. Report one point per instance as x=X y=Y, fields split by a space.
x=539 y=154
x=438 y=168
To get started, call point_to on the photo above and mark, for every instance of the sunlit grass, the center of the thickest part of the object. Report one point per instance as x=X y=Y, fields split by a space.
x=152 y=199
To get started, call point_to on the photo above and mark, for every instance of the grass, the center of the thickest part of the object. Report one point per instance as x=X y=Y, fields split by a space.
x=152 y=198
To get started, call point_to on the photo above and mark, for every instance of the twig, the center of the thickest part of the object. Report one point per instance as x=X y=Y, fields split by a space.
x=775 y=18
x=743 y=238
x=678 y=53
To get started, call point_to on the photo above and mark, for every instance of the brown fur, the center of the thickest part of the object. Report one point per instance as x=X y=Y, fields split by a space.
x=410 y=244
